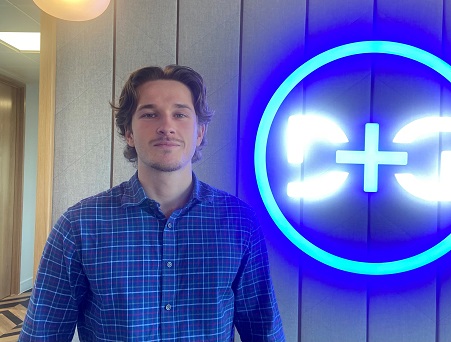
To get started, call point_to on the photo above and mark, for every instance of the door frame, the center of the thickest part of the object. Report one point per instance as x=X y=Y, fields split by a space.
x=18 y=182
x=46 y=123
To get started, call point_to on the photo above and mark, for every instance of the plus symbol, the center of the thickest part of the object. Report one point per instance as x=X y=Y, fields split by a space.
x=371 y=157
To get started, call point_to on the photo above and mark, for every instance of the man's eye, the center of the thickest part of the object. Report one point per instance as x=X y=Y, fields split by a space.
x=148 y=115
x=180 y=115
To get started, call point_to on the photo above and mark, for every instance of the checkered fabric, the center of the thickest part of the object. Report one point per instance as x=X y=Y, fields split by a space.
x=117 y=268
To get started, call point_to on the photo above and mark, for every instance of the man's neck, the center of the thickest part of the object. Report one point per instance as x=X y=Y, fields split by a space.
x=172 y=190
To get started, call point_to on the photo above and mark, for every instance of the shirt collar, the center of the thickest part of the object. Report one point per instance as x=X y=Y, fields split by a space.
x=135 y=195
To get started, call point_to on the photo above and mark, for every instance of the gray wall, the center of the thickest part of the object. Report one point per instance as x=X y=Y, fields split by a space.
x=237 y=45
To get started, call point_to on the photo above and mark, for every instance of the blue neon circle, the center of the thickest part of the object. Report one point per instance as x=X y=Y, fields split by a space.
x=353 y=266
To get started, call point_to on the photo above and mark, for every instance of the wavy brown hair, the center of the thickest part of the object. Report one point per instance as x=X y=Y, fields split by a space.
x=128 y=100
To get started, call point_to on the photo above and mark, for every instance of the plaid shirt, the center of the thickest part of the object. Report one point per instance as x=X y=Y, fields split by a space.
x=118 y=269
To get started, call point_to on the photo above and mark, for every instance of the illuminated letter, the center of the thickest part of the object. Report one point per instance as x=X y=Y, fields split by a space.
x=427 y=188
x=302 y=130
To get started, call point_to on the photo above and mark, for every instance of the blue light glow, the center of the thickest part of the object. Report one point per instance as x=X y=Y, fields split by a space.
x=316 y=188
x=354 y=266
x=421 y=128
x=426 y=188
x=371 y=158
x=301 y=132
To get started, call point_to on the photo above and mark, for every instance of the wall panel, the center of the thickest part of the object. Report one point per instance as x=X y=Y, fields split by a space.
x=208 y=41
x=272 y=46
x=444 y=270
x=145 y=36
x=334 y=306
x=404 y=91
x=83 y=117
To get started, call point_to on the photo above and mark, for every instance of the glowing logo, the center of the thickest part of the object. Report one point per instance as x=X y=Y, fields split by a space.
x=429 y=190
x=302 y=131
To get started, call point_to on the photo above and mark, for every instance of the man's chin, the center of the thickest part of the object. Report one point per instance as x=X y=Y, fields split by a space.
x=166 y=167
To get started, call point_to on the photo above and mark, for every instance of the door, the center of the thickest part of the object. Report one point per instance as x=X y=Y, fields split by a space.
x=11 y=177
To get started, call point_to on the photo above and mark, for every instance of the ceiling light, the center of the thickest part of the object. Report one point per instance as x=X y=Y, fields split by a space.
x=22 y=41
x=73 y=10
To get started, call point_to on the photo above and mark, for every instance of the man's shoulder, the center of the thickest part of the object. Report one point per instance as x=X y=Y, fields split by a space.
x=220 y=197
x=112 y=197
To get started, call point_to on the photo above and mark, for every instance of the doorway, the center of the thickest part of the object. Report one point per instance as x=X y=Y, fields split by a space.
x=12 y=114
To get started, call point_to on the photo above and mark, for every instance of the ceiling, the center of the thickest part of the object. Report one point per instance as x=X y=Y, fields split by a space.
x=19 y=16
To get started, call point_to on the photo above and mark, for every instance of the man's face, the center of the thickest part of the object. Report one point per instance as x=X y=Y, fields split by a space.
x=164 y=129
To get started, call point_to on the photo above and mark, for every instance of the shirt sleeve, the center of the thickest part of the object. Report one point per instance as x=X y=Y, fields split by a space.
x=256 y=312
x=60 y=283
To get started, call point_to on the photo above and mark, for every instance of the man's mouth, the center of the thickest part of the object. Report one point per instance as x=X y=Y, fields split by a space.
x=167 y=143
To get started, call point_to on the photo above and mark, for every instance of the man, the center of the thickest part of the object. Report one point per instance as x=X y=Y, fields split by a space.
x=164 y=256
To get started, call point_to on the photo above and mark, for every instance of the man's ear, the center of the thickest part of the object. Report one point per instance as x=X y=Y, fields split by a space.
x=200 y=133
x=129 y=138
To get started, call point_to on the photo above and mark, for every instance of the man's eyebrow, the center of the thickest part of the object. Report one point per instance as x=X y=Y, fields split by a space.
x=181 y=105
x=146 y=106
x=152 y=106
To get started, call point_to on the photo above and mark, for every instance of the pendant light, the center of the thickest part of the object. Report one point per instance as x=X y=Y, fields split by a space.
x=73 y=10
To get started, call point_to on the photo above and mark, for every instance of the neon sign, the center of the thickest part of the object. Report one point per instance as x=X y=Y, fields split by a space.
x=429 y=190
x=317 y=128
x=302 y=131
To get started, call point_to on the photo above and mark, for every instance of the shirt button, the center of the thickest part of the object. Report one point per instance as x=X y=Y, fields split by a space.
x=169 y=225
x=169 y=264
x=168 y=307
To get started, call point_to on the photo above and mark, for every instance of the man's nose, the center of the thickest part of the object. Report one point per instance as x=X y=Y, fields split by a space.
x=166 y=125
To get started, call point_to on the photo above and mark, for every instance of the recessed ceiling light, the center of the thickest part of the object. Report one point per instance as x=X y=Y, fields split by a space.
x=22 y=41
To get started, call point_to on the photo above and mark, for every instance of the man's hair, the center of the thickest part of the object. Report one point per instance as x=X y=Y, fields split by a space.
x=128 y=100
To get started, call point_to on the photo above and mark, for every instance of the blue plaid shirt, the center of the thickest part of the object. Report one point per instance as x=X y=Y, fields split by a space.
x=118 y=269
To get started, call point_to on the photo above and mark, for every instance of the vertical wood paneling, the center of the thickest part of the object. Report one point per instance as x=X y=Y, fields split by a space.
x=387 y=226
x=83 y=116
x=8 y=103
x=18 y=190
x=46 y=126
x=208 y=41
x=333 y=23
x=403 y=92
x=403 y=314
x=272 y=46
x=334 y=307
x=444 y=270
x=145 y=36
x=418 y=23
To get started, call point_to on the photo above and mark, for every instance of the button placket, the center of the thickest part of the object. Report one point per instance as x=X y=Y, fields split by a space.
x=168 y=273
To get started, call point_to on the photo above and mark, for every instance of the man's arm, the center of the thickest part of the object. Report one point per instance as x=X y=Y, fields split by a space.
x=53 y=308
x=256 y=313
